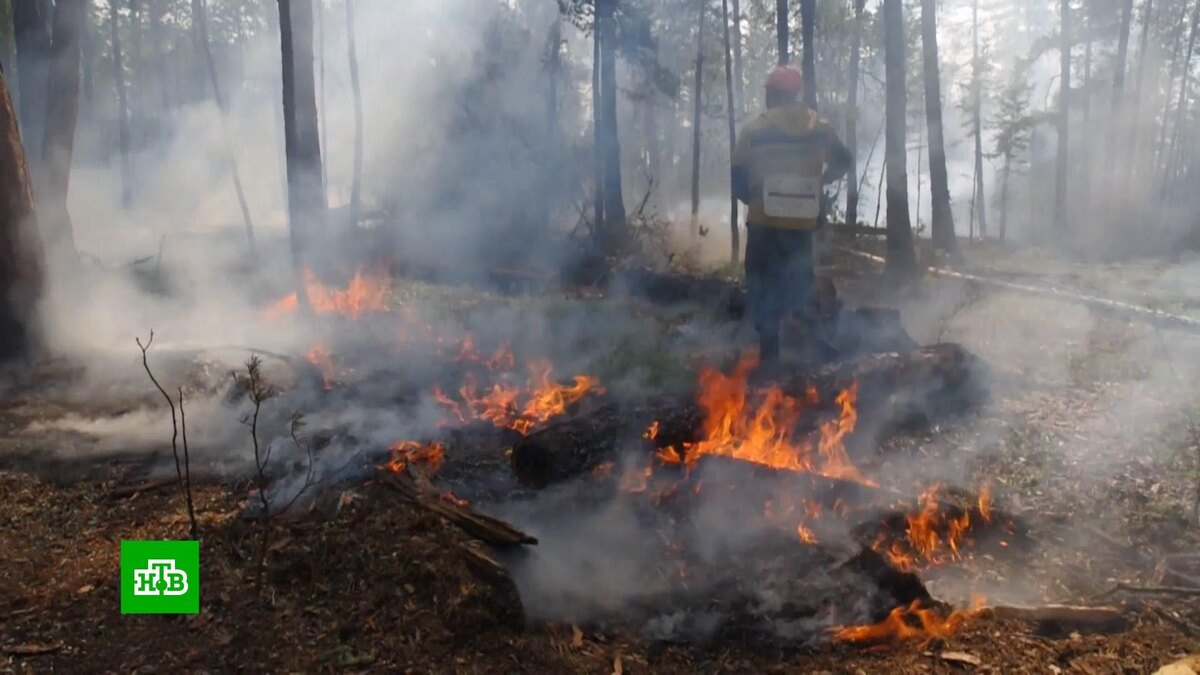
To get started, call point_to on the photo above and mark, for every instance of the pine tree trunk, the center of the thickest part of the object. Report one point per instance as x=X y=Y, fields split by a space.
x=1158 y=158
x=356 y=89
x=122 y=106
x=200 y=16
x=306 y=196
x=323 y=110
x=136 y=91
x=550 y=150
x=735 y=243
x=31 y=30
x=1004 y=196
x=781 y=31
x=939 y=182
x=20 y=248
x=739 y=86
x=62 y=115
x=598 y=138
x=979 y=203
x=1122 y=54
x=808 y=29
x=614 y=201
x=1064 y=118
x=158 y=52
x=1132 y=138
x=697 y=98
x=852 y=115
x=901 y=257
x=1181 y=107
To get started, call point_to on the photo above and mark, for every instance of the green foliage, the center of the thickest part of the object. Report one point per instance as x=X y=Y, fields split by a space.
x=1012 y=121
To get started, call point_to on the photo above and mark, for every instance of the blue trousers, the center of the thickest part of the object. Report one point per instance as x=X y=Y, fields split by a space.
x=780 y=278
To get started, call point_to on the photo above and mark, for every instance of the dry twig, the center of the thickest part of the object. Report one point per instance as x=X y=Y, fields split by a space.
x=182 y=471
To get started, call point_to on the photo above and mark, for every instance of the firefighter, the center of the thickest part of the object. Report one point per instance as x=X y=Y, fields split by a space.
x=781 y=163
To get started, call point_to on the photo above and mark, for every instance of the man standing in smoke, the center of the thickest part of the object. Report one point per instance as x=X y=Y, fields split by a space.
x=781 y=163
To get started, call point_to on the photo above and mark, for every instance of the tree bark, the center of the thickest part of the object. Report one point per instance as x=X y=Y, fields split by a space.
x=62 y=115
x=739 y=86
x=852 y=115
x=137 y=96
x=980 y=201
x=1122 y=54
x=20 y=248
x=901 y=257
x=735 y=244
x=550 y=149
x=158 y=54
x=200 y=17
x=1135 y=147
x=356 y=89
x=1181 y=107
x=1004 y=196
x=781 y=31
x=31 y=30
x=808 y=29
x=597 y=137
x=614 y=233
x=324 y=109
x=944 y=238
x=122 y=106
x=1064 y=119
x=697 y=97
x=302 y=144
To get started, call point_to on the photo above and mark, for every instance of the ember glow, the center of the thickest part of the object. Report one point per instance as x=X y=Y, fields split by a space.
x=914 y=622
x=366 y=294
x=761 y=429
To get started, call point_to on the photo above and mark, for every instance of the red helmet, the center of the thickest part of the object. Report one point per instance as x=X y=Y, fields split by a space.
x=786 y=78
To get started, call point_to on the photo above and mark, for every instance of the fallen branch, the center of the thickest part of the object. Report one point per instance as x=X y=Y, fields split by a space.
x=1155 y=317
x=1185 y=591
x=1056 y=613
x=485 y=528
x=124 y=491
x=31 y=649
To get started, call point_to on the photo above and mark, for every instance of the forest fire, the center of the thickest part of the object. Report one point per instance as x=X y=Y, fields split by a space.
x=765 y=433
x=365 y=294
x=912 y=622
x=519 y=408
x=936 y=532
x=404 y=454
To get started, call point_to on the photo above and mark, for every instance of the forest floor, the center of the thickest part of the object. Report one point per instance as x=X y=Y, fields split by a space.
x=1092 y=437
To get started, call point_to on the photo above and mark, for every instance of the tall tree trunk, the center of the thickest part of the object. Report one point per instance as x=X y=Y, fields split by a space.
x=598 y=137
x=158 y=54
x=781 y=31
x=1159 y=155
x=62 y=115
x=939 y=182
x=1004 y=196
x=901 y=257
x=808 y=29
x=31 y=30
x=1122 y=54
x=356 y=88
x=852 y=115
x=614 y=201
x=697 y=97
x=20 y=248
x=980 y=201
x=306 y=194
x=90 y=44
x=735 y=243
x=1132 y=136
x=739 y=86
x=1064 y=119
x=200 y=16
x=136 y=90
x=324 y=109
x=122 y=106
x=1181 y=107
x=550 y=147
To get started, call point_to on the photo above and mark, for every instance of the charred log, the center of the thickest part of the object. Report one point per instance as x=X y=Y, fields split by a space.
x=578 y=445
x=484 y=528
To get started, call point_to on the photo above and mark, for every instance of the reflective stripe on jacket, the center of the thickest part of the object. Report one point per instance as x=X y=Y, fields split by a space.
x=790 y=141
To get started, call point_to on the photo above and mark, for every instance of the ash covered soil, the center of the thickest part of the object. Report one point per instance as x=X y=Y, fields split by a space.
x=1090 y=437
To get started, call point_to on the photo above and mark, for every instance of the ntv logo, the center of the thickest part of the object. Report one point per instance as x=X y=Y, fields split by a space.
x=160 y=577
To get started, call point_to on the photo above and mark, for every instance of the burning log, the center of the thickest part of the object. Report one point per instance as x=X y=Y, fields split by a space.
x=491 y=572
x=579 y=444
x=484 y=528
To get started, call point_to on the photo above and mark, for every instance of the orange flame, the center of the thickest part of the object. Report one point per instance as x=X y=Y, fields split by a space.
x=806 y=535
x=933 y=536
x=430 y=456
x=764 y=434
x=502 y=404
x=913 y=622
x=364 y=295
x=320 y=357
